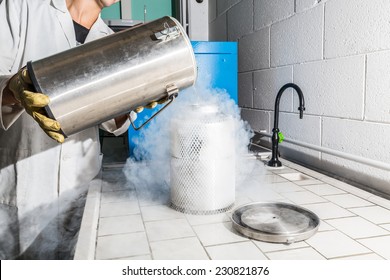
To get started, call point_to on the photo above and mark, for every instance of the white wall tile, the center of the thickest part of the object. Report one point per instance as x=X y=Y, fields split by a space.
x=258 y=120
x=332 y=87
x=253 y=51
x=267 y=12
x=356 y=26
x=218 y=29
x=378 y=87
x=240 y=20
x=298 y=38
x=267 y=83
x=245 y=89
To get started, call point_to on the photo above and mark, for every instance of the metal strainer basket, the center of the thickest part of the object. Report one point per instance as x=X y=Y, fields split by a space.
x=202 y=162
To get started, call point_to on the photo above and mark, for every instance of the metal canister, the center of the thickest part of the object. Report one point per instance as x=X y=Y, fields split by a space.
x=99 y=80
x=202 y=161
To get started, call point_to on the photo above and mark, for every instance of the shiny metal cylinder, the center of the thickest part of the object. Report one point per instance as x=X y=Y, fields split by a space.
x=202 y=163
x=108 y=77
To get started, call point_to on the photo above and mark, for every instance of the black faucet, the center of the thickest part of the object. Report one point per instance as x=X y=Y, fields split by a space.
x=274 y=162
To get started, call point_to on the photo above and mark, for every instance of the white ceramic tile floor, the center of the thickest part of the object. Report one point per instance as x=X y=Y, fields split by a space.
x=328 y=210
x=348 y=200
x=324 y=226
x=357 y=227
x=122 y=245
x=233 y=251
x=364 y=257
x=120 y=224
x=304 y=197
x=168 y=229
x=141 y=257
x=178 y=249
x=323 y=189
x=159 y=212
x=375 y=214
x=118 y=196
x=132 y=225
x=296 y=176
x=307 y=182
x=272 y=247
x=379 y=245
x=119 y=209
x=386 y=226
x=207 y=219
x=332 y=244
x=296 y=254
x=286 y=187
x=214 y=234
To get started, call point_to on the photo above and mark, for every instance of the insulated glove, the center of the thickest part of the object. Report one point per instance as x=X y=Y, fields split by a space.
x=150 y=105
x=33 y=102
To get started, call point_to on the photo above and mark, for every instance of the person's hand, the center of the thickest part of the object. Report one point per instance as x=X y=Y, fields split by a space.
x=33 y=102
x=150 y=105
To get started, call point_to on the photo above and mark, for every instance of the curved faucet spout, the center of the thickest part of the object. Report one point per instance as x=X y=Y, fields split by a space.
x=274 y=162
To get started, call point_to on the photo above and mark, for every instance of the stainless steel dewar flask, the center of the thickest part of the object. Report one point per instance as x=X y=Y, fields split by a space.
x=108 y=77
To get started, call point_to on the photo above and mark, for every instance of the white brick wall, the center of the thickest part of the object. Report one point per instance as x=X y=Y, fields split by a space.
x=212 y=10
x=295 y=128
x=356 y=26
x=218 y=28
x=224 y=5
x=365 y=139
x=245 y=84
x=298 y=39
x=267 y=12
x=258 y=120
x=338 y=52
x=267 y=83
x=360 y=138
x=302 y=5
x=240 y=19
x=378 y=87
x=254 y=51
x=333 y=87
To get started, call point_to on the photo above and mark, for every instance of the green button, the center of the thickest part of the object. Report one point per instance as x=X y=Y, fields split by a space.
x=281 y=137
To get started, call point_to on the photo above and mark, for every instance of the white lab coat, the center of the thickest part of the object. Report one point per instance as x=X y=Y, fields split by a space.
x=34 y=169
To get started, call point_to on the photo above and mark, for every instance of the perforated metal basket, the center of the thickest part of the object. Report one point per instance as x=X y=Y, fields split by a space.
x=202 y=162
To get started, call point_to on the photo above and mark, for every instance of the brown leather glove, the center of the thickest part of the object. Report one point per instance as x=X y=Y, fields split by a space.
x=33 y=102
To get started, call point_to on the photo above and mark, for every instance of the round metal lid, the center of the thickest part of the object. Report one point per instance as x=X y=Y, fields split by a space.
x=275 y=222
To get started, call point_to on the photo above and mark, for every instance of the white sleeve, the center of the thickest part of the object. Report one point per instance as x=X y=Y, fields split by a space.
x=110 y=126
x=10 y=14
x=8 y=114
